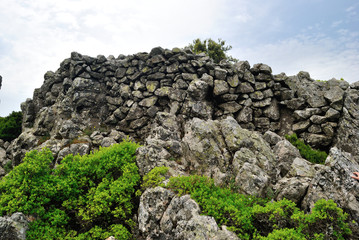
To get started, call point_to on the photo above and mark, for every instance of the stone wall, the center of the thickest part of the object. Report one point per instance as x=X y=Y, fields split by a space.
x=88 y=95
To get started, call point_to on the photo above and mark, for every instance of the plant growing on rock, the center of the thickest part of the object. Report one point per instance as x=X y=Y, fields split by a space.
x=312 y=155
x=254 y=218
x=215 y=50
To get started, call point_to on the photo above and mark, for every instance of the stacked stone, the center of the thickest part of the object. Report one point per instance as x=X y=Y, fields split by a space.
x=317 y=107
x=125 y=94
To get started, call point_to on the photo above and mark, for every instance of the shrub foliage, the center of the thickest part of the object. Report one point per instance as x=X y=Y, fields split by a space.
x=88 y=197
x=215 y=50
x=254 y=218
x=10 y=126
x=312 y=155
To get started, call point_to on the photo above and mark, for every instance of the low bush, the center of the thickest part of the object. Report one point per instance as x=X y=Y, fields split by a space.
x=254 y=218
x=312 y=155
x=88 y=197
x=10 y=126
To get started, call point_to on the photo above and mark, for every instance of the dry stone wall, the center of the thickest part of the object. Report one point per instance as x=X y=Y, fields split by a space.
x=87 y=98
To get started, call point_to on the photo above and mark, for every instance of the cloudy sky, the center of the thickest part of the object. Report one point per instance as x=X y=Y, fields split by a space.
x=318 y=36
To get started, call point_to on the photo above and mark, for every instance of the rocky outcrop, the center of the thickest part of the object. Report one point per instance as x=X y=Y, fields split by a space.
x=163 y=215
x=225 y=121
x=87 y=95
x=13 y=227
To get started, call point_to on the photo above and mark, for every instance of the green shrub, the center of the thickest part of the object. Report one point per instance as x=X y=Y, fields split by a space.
x=274 y=215
x=215 y=50
x=10 y=126
x=154 y=178
x=88 y=197
x=284 y=234
x=253 y=218
x=231 y=209
x=312 y=155
x=326 y=220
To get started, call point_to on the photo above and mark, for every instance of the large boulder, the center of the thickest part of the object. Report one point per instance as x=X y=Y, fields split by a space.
x=163 y=215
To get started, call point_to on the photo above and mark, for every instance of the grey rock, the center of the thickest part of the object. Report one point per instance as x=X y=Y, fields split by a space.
x=272 y=138
x=293 y=189
x=233 y=81
x=272 y=111
x=245 y=115
x=301 y=126
x=334 y=182
x=306 y=113
x=165 y=216
x=230 y=107
x=335 y=96
x=198 y=89
x=263 y=103
x=286 y=153
x=220 y=73
x=13 y=227
x=220 y=87
x=148 y=102
x=246 y=87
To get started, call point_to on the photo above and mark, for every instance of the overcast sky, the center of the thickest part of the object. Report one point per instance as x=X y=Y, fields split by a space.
x=317 y=36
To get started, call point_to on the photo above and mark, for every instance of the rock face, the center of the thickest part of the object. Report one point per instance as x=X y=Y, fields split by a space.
x=163 y=215
x=13 y=227
x=225 y=121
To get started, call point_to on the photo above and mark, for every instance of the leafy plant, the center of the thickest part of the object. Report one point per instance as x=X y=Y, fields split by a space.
x=88 y=197
x=312 y=155
x=10 y=126
x=215 y=50
x=254 y=218
x=154 y=178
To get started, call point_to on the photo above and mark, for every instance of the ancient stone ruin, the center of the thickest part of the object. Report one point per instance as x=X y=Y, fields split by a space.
x=226 y=121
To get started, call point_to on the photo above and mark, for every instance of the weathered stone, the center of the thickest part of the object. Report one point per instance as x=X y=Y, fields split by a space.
x=246 y=87
x=271 y=137
x=306 y=113
x=301 y=126
x=148 y=102
x=318 y=119
x=260 y=85
x=332 y=114
x=13 y=227
x=233 y=81
x=286 y=153
x=151 y=86
x=335 y=96
x=334 y=182
x=257 y=95
x=315 y=129
x=263 y=103
x=293 y=189
x=272 y=111
x=249 y=77
x=230 y=107
x=198 y=89
x=220 y=87
x=245 y=115
x=262 y=122
x=220 y=73
x=317 y=140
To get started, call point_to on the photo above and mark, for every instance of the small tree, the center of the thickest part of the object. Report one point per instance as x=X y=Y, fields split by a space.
x=215 y=50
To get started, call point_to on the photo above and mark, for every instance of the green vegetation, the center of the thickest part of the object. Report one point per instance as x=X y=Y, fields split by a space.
x=10 y=126
x=88 y=197
x=215 y=50
x=254 y=218
x=312 y=155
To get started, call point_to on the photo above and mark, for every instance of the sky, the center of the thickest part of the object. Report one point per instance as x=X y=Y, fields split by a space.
x=317 y=36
